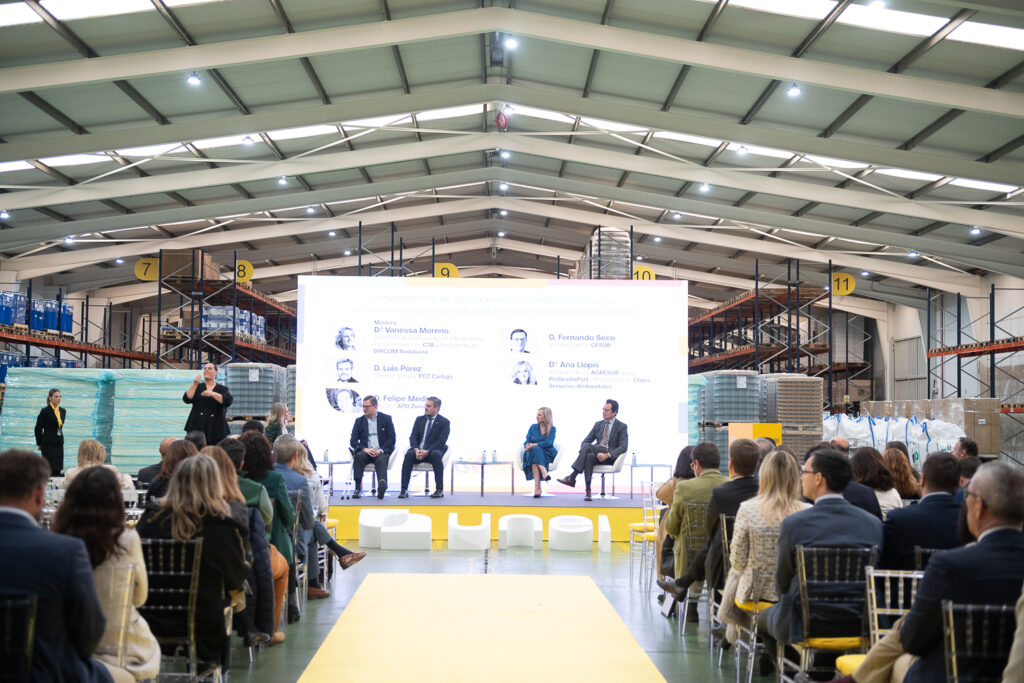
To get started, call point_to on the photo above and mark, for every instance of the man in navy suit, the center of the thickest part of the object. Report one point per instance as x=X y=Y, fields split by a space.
x=607 y=441
x=989 y=572
x=373 y=441
x=856 y=494
x=428 y=443
x=832 y=521
x=930 y=523
x=55 y=568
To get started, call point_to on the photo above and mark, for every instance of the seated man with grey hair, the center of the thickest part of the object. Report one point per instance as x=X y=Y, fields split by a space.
x=989 y=572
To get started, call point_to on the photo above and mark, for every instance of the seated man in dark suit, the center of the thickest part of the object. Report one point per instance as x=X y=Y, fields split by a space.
x=148 y=474
x=428 y=442
x=372 y=441
x=831 y=522
x=856 y=494
x=607 y=441
x=69 y=620
x=989 y=572
x=930 y=523
x=744 y=456
x=969 y=464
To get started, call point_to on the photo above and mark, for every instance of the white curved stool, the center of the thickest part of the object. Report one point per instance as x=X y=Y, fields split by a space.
x=471 y=537
x=522 y=530
x=412 y=534
x=372 y=521
x=570 y=532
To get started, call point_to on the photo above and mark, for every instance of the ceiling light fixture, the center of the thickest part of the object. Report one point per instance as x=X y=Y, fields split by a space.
x=503 y=187
x=310 y=209
x=248 y=140
x=657 y=239
x=704 y=187
x=864 y=273
x=69 y=239
x=283 y=180
x=193 y=79
x=4 y=215
x=501 y=234
x=975 y=230
x=742 y=150
x=639 y=258
x=913 y=254
x=507 y=110
x=119 y=261
x=503 y=212
x=794 y=91
x=677 y=215
x=331 y=233
x=348 y=252
x=505 y=154
x=511 y=43
x=877 y=4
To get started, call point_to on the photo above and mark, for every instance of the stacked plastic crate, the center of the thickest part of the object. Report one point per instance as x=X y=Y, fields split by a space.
x=291 y=388
x=694 y=390
x=255 y=388
x=795 y=401
x=729 y=396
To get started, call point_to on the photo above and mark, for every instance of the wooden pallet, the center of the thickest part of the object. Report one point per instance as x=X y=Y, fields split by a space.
x=246 y=418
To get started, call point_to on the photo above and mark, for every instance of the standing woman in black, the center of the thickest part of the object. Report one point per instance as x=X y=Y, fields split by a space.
x=50 y=432
x=209 y=402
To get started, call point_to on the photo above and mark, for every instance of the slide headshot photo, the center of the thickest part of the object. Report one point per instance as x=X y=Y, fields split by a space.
x=518 y=341
x=345 y=339
x=522 y=373
x=344 y=400
x=344 y=369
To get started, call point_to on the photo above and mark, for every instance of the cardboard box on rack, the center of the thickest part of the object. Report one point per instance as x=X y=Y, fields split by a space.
x=176 y=264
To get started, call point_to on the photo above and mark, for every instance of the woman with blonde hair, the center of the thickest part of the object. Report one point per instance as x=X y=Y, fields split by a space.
x=754 y=550
x=277 y=423
x=539 y=449
x=195 y=507
x=903 y=478
x=91 y=453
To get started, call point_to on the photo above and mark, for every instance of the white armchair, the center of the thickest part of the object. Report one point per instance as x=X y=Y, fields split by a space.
x=611 y=469
x=428 y=468
x=518 y=459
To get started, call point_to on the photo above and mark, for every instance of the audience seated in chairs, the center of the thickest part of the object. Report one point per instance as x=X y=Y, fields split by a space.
x=856 y=494
x=148 y=473
x=928 y=524
x=195 y=507
x=91 y=453
x=663 y=543
x=1015 y=663
x=831 y=522
x=989 y=572
x=725 y=499
x=55 y=568
x=969 y=464
x=706 y=460
x=93 y=511
x=754 y=550
x=263 y=614
x=905 y=479
x=176 y=452
x=869 y=468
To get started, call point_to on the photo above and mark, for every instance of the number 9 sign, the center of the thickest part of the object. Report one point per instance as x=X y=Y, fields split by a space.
x=243 y=271
x=445 y=270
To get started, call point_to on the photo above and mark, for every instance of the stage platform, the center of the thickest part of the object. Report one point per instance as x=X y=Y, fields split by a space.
x=470 y=505
x=480 y=627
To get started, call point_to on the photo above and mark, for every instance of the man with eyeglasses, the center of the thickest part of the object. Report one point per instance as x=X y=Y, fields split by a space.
x=989 y=572
x=832 y=521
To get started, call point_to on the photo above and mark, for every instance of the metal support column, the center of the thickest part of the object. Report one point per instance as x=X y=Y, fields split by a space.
x=831 y=342
x=928 y=342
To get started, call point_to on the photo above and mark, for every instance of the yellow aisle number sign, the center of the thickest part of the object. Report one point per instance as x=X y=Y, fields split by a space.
x=842 y=284
x=445 y=270
x=643 y=273
x=243 y=271
x=146 y=269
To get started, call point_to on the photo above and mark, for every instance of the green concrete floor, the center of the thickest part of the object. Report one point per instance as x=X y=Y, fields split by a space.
x=685 y=659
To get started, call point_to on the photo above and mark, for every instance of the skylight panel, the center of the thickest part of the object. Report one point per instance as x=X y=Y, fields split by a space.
x=983 y=185
x=832 y=162
x=545 y=114
x=67 y=10
x=763 y=151
x=75 y=159
x=17 y=14
x=891 y=20
x=683 y=137
x=151 y=150
x=7 y=166
x=613 y=126
x=989 y=34
x=806 y=9
x=377 y=121
x=225 y=141
x=448 y=112
x=909 y=175
x=294 y=133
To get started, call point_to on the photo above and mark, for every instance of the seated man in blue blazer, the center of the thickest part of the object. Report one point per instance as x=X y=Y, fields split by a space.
x=54 y=568
x=373 y=441
x=607 y=441
x=428 y=443
x=930 y=523
x=989 y=572
x=831 y=522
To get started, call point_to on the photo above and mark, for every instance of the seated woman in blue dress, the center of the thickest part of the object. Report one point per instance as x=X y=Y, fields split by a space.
x=539 y=450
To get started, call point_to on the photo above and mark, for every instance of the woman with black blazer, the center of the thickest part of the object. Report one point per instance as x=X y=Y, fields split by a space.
x=210 y=402
x=50 y=432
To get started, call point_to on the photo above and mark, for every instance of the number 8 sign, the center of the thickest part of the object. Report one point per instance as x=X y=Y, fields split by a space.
x=243 y=271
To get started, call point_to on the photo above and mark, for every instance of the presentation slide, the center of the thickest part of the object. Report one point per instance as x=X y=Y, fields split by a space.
x=493 y=351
